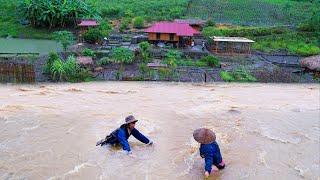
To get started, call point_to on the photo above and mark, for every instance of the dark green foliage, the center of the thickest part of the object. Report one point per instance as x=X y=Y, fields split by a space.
x=145 y=47
x=54 y=13
x=65 y=38
x=226 y=76
x=52 y=57
x=105 y=28
x=238 y=75
x=211 y=61
x=311 y=25
x=122 y=55
x=138 y=22
x=88 y=52
x=110 y=12
x=65 y=71
x=104 y=61
x=93 y=35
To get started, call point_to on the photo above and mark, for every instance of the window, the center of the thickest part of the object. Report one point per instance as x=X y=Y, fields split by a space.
x=171 y=37
x=158 y=36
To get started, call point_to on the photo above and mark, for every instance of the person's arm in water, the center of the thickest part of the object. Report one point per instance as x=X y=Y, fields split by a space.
x=123 y=140
x=207 y=158
x=140 y=137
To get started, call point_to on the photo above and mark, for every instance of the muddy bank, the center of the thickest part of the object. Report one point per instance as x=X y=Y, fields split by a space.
x=48 y=131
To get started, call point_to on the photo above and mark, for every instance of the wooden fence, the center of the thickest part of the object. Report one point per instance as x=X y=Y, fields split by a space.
x=16 y=73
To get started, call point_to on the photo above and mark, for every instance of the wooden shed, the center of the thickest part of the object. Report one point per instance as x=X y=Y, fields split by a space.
x=231 y=45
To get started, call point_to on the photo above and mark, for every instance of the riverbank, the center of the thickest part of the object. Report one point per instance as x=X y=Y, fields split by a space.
x=264 y=130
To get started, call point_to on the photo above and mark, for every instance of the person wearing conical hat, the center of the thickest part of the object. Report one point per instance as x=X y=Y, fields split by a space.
x=209 y=149
x=122 y=134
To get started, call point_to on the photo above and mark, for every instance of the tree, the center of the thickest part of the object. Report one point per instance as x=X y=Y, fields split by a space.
x=65 y=38
x=55 y=13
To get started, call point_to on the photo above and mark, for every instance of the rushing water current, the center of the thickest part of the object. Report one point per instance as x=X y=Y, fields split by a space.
x=265 y=131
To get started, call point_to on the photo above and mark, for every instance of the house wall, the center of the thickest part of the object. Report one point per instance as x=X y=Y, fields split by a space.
x=163 y=37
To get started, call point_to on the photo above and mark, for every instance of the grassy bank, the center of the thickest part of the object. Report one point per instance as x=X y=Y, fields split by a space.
x=10 y=26
x=271 y=40
x=254 y=12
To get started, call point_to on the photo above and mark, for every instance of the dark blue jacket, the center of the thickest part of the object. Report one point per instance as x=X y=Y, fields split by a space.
x=211 y=154
x=121 y=135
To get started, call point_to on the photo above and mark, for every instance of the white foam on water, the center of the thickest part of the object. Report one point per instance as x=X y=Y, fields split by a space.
x=31 y=128
x=188 y=158
x=76 y=169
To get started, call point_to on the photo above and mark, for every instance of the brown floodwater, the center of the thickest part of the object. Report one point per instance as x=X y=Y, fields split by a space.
x=265 y=131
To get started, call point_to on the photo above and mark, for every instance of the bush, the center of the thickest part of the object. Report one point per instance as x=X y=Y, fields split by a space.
x=145 y=47
x=88 y=52
x=238 y=75
x=201 y=64
x=52 y=57
x=68 y=71
x=138 y=22
x=65 y=38
x=124 y=25
x=57 y=70
x=122 y=55
x=104 y=61
x=211 y=61
x=93 y=35
x=226 y=76
x=105 y=29
x=144 y=69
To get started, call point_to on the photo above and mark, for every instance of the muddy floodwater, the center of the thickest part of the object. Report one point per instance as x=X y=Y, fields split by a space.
x=265 y=131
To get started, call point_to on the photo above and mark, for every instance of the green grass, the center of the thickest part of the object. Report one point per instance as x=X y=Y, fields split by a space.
x=10 y=26
x=254 y=12
x=303 y=44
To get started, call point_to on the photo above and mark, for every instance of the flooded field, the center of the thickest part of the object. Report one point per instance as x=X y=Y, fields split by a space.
x=14 y=45
x=265 y=131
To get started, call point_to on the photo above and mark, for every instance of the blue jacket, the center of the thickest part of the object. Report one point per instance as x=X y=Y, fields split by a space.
x=121 y=135
x=211 y=154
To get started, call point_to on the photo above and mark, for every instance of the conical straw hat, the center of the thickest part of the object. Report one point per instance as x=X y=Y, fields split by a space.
x=204 y=136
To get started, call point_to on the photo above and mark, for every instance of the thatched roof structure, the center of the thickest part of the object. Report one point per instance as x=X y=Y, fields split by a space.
x=311 y=63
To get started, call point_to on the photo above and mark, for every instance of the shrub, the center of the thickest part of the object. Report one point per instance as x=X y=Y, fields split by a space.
x=226 y=76
x=65 y=38
x=93 y=35
x=201 y=64
x=122 y=55
x=144 y=69
x=138 y=22
x=105 y=28
x=145 y=47
x=211 y=61
x=88 y=52
x=104 y=61
x=124 y=25
x=52 y=57
x=68 y=71
x=57 y=70
x=238 y=75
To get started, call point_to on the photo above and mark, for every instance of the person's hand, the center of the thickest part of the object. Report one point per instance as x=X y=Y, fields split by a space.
x=206 y=174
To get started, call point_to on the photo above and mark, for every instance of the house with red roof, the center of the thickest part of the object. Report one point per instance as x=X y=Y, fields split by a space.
x=177 y=33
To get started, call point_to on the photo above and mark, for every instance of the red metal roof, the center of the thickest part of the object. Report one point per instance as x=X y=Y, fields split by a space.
x=88 y=23
x=181 y=29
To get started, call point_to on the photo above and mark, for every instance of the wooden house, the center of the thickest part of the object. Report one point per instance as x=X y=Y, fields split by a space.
x=177 y=33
